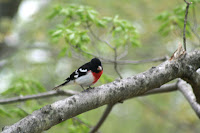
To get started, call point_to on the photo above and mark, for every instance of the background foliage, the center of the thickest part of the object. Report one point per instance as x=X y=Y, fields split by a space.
x=64 y=34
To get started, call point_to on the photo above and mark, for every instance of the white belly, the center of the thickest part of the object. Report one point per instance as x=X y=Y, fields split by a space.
x=85 y=80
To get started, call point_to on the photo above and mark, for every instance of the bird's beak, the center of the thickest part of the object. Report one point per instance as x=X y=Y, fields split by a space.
x=99 y=68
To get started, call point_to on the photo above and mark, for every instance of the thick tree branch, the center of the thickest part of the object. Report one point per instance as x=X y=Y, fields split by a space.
x=187 y=92
x=193 y=78
x=37 y=96
x=162 y=89
x=110 y=93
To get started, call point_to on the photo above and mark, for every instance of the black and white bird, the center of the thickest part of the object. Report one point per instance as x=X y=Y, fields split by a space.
x=86 y=75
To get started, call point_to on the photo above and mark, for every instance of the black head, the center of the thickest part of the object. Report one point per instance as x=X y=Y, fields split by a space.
x=96 y=65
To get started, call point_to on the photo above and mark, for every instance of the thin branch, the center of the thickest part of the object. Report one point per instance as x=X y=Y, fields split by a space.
x=37 y=96
x=184 y=88
x=98 y=38
x=164 y=115
x=122 y=55
x=195 y=33
x=185 y=22
x=103 y=118
x=122 y=62
x=82 y=122
x=163 y=89
x=115 y=63
x=194 y=17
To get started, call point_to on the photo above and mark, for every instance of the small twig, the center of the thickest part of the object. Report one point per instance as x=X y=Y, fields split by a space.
x=115 y=63
x=164 y=115
x=184 y=88
x=98 y=38
x=195 y=33
x=122 y=62
x=194 y=18
x=122 y=55
x=82 y=122
x=185 y=22
x=103 y=118
x=37 y=96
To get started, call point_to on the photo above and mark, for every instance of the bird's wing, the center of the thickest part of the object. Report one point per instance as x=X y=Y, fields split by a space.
x=81 y=71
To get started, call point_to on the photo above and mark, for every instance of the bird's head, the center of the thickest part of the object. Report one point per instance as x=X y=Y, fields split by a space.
x=96 y=65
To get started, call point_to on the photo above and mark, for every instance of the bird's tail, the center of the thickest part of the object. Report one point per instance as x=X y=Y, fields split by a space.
x=63 y=84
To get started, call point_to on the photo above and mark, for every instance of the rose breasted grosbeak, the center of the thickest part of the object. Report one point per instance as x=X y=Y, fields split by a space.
x=86 y=75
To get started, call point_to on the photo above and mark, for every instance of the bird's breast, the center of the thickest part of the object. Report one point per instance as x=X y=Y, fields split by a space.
x=97 y=76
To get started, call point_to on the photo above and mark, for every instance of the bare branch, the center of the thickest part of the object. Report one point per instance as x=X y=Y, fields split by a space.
x=103 y=118
x=115 y=63
x=184 y=88
x=123 y=62
x=82 y=122
x=163 y=89
x=195 y=33
x=185 y=22
x=122 y=55
x=98 y=38
x=37 y=96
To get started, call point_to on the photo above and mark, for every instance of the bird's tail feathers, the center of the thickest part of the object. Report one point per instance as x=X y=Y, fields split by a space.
x=63 y=84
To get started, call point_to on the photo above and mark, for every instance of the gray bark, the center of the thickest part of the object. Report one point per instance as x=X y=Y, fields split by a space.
x=113 y=92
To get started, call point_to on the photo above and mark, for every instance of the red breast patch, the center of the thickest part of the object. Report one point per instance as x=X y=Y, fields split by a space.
x=97 y=76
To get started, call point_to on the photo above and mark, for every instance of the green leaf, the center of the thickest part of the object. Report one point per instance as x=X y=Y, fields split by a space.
x=55 y=12
x=3 y=112
x=62 y=53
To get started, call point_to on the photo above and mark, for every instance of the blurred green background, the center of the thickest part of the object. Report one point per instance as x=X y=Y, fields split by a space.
x=30 y=63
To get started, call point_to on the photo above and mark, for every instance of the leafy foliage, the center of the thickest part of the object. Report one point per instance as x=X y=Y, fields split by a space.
x=24 y=86
x=21 y=86
x=78 y=23
x=173 y=21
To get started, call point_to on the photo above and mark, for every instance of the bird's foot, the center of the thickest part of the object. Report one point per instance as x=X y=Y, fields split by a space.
x=90 y=88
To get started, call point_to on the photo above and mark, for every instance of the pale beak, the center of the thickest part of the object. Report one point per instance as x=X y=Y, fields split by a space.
x=99 y=68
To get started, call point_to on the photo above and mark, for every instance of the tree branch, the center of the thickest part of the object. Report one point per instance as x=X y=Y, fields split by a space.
x=193 y=78
x=163 y=89
x=98 y=38
x=37 y=96
x=184 y=88
x=110 y=93
x=123 y=62
x=103 y=118
x=115 y=63
x=185 y=22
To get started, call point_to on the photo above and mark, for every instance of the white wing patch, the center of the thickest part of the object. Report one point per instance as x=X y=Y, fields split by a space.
x=75 y=76
x=82 y=70
x=76 y=71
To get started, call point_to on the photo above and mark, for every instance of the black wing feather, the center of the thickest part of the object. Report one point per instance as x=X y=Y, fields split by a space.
x=77 y=73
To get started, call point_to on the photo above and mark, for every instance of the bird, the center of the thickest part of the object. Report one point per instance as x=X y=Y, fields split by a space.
x=85 y=76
